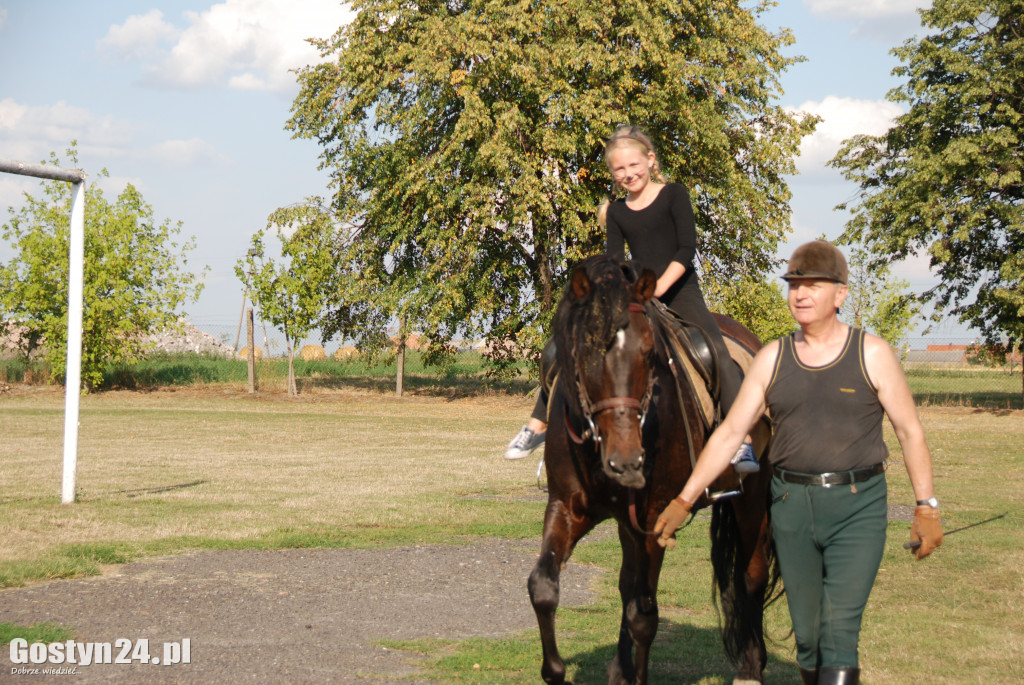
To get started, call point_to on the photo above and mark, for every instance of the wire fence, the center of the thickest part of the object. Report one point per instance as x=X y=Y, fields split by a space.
x=949 y=371
x=943 y=371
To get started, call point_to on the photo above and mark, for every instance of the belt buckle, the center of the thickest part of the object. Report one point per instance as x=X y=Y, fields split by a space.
x=824 y=480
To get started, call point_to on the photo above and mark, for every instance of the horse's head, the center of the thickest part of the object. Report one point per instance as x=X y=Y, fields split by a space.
x=605 y=341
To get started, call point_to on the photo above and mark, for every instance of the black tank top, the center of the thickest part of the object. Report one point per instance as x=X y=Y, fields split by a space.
x=826 y=418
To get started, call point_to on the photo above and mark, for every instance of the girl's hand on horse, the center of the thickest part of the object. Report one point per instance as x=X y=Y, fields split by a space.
x=670 y=520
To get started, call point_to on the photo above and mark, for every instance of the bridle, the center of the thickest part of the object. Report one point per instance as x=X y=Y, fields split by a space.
x=591 y=410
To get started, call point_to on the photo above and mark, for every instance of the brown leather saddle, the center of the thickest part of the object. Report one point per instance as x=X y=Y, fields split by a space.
x=695 y=365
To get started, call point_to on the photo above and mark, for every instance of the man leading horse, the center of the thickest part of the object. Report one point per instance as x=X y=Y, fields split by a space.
x=826 y=388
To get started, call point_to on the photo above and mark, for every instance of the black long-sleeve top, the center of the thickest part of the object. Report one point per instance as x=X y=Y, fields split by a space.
x=659 y=234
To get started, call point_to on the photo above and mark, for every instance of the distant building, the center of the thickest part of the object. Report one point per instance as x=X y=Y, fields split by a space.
x=938 y=354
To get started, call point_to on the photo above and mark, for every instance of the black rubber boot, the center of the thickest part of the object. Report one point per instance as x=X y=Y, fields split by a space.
x=808 y=677
x=843 y=675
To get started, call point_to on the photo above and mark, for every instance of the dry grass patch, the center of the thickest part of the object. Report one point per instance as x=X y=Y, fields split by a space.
x=177 y=464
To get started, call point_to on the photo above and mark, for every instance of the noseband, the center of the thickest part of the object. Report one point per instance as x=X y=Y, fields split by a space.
x=592 y=409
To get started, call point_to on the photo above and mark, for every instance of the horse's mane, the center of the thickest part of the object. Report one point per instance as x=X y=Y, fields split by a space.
x=585 y=326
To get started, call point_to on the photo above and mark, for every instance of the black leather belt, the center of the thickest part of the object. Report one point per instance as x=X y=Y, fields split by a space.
x=827 y=480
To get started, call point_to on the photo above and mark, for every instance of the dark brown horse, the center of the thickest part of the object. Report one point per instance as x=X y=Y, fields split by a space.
x=618 y=446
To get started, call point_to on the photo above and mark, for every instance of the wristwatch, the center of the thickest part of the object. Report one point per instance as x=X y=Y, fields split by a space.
x=930 y=502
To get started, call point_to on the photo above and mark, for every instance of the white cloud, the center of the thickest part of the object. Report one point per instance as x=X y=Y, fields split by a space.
x=241 y=44
x=884 y=21
x=865 y=9
x=186 y=153
x=842 y=118
x=12 y=191
x=30 y=133
x=142 y=36
x=3 y=18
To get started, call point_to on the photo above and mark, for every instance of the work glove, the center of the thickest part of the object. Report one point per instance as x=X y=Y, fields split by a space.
x=926 y=529
x=669 y=521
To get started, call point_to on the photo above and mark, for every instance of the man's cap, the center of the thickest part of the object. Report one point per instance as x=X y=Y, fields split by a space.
x=818 y=259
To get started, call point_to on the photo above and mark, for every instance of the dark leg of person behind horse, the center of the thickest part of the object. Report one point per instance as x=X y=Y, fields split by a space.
x=531 y=435
x=686 y=300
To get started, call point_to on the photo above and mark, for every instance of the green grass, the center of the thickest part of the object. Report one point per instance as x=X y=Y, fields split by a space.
x=170 y=471
x=40 y=632
x=966 y=387
x=467 y=374
x=66 y=561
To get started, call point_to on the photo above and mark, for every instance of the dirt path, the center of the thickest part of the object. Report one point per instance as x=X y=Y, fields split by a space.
x=295 y=616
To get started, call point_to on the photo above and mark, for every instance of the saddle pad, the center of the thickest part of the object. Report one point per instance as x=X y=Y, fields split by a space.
x=705 y=403
x=704 y=400
x=739 y=354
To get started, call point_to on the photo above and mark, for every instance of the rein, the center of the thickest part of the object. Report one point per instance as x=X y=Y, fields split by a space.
x=632 y=515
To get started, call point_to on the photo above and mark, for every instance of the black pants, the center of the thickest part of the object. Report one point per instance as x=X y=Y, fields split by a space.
x=686 y=300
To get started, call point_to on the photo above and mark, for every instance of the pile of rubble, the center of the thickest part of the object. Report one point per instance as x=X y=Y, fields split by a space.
x=191 y=339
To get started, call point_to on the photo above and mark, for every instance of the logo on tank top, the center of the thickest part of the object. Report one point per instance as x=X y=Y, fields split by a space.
x=849 y=390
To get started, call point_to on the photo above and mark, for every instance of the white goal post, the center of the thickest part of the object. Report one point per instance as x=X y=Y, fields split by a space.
x=76 y=255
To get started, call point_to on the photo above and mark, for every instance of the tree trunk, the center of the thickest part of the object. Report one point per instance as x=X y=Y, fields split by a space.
x=400 y=358
x=545 y=285
x=251 y=351
x=292 y=389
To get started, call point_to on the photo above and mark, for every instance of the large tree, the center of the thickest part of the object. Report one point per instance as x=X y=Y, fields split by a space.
x=464 y=139
x=946 y=178
x=135 y=280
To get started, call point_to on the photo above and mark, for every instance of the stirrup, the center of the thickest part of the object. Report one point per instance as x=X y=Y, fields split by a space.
x=723 y=494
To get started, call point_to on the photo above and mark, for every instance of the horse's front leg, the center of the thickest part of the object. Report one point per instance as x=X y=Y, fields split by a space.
x=638 y=587
x=561 y=531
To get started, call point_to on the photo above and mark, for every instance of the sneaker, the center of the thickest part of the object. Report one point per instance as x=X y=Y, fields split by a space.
x=525 y=442
x=744 y=460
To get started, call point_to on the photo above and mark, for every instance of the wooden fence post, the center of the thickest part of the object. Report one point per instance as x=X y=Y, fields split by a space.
x=251 y=351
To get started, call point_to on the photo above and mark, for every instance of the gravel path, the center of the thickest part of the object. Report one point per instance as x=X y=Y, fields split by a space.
x=295 y=616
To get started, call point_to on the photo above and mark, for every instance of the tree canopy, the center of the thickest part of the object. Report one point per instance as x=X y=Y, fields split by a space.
x=946 y=178
x=293 y=292
x=465 y=142
x=757 y=303
x=134 y=275
x=878 y=302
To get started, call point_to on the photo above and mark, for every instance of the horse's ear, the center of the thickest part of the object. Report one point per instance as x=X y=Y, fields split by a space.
x=580 y=283
x=646 y=284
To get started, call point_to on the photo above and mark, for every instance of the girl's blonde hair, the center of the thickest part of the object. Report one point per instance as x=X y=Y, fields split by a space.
x=626 y=135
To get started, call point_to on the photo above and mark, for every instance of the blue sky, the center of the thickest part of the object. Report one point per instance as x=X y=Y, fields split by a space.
x=187 y=100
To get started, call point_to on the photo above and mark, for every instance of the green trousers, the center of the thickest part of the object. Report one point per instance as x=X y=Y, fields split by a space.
x=829 y=543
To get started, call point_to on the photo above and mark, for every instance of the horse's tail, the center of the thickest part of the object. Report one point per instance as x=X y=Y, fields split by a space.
x=741 y=613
